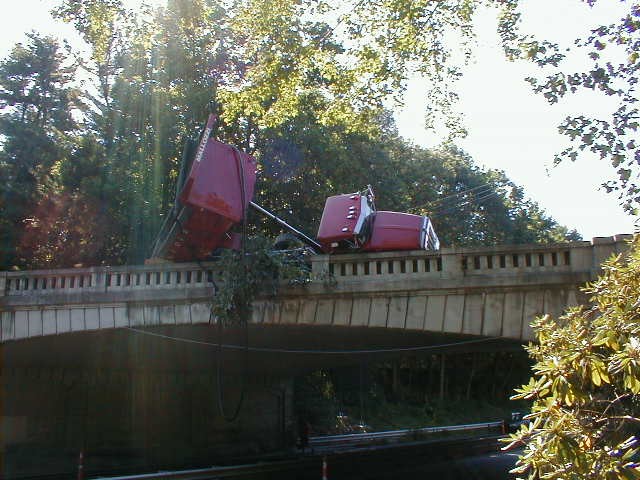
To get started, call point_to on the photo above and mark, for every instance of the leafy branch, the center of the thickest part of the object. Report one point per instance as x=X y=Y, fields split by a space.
x=260 y=272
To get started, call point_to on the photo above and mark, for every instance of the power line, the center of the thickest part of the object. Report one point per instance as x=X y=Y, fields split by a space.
x=471 y=201
x=438 y=201
x=463 y=201
x=312 y=352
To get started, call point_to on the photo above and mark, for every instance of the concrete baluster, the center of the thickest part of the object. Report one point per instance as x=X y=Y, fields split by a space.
x=384 y=267
x=3 y=284
x=98 y=280
x=537 y=260
x=348 y=269
x=373 y=266
x=112 y=280
x=508 y=260
x=397 y=267
x=548 y=260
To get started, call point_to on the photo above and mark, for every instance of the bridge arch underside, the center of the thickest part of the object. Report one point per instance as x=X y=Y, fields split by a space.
x=147 y=396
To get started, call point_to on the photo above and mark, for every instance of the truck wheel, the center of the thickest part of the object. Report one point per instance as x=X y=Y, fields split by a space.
x=287 y=241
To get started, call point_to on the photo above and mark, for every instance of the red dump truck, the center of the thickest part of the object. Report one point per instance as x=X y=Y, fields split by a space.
x=215 y=194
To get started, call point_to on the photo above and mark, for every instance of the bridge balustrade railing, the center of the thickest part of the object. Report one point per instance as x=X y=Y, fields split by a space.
x=556 y=258
x=360 y=265
x=107 y=279
x=459 y=262
x=445 y=263
x=356 y=267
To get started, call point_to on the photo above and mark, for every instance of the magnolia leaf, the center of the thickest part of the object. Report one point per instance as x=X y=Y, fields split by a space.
x=595 y=377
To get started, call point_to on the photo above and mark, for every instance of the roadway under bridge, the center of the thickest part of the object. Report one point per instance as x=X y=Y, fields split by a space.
x=124 y=360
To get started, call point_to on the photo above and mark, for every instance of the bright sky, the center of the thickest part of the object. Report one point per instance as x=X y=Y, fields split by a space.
x=509 y=127
x=512 y=129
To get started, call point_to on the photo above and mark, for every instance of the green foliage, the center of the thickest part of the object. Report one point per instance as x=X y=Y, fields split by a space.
x=584 y=420
x=259 y=272
x=353 y=58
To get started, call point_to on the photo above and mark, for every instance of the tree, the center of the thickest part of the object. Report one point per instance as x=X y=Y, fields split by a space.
x=37 y=127
x=612 y=66
x=584 y=420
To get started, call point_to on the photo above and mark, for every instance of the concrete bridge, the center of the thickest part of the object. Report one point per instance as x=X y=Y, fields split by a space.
x=490 y=291
x=122 y=361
